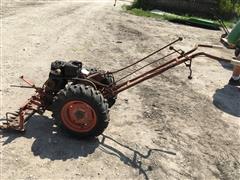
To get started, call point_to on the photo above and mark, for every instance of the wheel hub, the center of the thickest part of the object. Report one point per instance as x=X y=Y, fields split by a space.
x=78 y=116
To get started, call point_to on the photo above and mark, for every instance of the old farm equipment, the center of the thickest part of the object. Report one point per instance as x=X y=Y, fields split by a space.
x=80 y=98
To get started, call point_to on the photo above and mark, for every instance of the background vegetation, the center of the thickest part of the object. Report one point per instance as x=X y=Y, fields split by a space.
x=227 y=9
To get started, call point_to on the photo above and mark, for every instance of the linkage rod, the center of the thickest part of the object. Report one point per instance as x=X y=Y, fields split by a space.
x=164 y=67
x=150 y=74
x=145 y=66
x=179 y=39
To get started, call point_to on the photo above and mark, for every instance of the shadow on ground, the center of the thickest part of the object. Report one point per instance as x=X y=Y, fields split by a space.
x=52 y=143
x=227 y=99
x=134 y=160
x=226 y=65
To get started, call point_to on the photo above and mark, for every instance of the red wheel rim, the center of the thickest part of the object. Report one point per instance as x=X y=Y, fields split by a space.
x=78 y=116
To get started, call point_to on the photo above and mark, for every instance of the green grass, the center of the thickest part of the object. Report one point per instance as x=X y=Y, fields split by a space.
x=165 y=16
x=140 y=12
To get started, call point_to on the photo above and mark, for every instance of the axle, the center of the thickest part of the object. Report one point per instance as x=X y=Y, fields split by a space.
x=64 y=74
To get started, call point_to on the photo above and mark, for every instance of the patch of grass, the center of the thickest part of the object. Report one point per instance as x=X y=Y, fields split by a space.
x=164 y=16
x=140 y=12
x=229 y=24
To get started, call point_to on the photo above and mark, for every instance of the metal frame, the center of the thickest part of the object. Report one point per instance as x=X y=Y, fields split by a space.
x=36 y=104
x=18 y=119
x=182 y=58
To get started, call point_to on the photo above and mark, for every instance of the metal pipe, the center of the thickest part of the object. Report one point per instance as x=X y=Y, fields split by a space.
x=158 y=67
x=155 y=52
x=130 y=84
x=144 y=67
x=164 y=67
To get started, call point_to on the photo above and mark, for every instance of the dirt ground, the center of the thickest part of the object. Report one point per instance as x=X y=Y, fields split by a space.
x=165 y=128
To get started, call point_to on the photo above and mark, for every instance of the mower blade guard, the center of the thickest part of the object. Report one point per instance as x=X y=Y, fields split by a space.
x=17 y=120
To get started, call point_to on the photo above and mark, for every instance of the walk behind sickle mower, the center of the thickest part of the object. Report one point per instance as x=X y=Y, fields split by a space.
x=80 y=98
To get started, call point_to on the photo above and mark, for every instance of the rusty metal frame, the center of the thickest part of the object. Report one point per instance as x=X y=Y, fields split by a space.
x=36 y=104
x=182 y=58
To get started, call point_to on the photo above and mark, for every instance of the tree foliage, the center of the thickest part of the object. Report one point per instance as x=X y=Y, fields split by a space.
x=228 y=9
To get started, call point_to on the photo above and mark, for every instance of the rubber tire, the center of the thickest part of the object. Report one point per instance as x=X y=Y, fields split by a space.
x=107 y=81
x=89 y=95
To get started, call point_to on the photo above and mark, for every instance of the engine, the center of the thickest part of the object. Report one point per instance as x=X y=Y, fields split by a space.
x=69 y=69
x=60 y=73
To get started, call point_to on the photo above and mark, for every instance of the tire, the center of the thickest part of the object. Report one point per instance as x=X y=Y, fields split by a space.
x=81 y=110
x=108 y=79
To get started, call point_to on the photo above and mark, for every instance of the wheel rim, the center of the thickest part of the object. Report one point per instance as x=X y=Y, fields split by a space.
x=78 y=116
